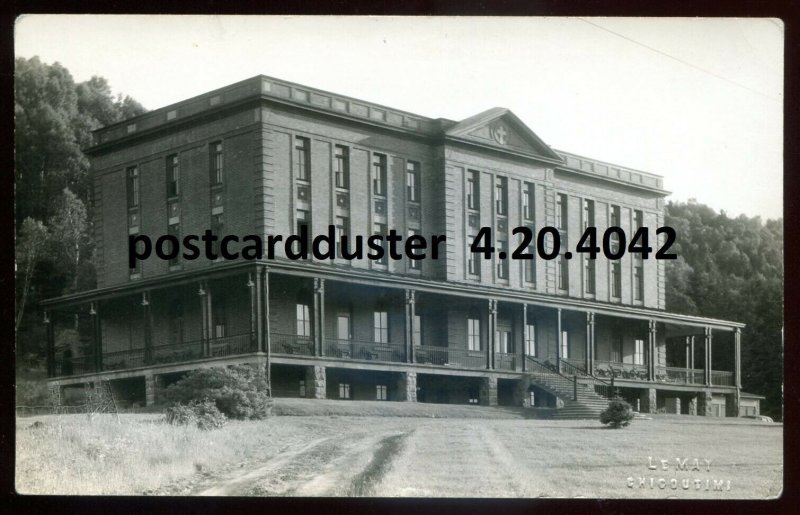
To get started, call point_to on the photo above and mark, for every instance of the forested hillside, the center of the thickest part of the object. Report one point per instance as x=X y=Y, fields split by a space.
x=54 y=117
x=732 y=268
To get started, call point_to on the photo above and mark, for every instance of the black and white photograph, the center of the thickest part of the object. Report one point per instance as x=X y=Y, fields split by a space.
x=399 y=256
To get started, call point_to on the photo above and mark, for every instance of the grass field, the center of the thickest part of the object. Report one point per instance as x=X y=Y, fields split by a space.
x=399 y=449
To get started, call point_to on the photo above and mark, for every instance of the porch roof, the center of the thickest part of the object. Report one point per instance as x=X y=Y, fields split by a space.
x=381 y=279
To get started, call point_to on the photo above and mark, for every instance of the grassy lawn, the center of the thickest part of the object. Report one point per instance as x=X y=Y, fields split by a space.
x=396 y=449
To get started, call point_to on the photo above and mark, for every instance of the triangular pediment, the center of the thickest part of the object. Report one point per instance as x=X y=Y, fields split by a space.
x=499 y=127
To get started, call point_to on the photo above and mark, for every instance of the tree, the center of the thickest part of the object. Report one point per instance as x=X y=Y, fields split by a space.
x=32 y=240
x=69 y=223
x=618 y=414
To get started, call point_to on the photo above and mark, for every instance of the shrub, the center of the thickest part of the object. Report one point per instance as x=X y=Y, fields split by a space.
x=204 y=414
x=618 y=414
x=208 y=416
x=239 y=391
x=181 y=415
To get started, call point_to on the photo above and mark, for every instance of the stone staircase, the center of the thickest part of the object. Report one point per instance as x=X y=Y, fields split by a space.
x=588 y=404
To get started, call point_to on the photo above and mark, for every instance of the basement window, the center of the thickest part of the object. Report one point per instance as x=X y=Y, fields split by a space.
x=380 y=392
x=344 y=391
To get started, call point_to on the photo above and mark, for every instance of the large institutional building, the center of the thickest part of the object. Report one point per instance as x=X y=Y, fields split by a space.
x=268 y=157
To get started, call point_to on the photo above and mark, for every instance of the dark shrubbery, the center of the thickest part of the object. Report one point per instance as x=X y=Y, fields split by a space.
x=618 y=414
x=238 y=391
x=204 y=414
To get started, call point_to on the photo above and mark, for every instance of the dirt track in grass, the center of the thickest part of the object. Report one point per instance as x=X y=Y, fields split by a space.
x=495 y=453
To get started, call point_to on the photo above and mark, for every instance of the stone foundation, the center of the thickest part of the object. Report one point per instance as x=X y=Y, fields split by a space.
x=521 y=395
x=704 y=408
x=732 y=404
x=315 y=382
x=488 y=392
x=152 y=385
x=648 y=401
x=693 y=406
x=407 y=387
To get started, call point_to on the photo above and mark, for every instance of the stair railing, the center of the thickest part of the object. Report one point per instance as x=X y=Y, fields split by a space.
x=605 y=388
x=536 y=366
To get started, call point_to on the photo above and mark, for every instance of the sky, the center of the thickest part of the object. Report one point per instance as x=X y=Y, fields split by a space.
x=698 y=101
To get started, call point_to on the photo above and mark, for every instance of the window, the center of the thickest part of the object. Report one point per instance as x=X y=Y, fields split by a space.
x=588 y=213
x=302 y=388
x=474 y=262
x=564 y=345
x=527 y=201
x=616 y=279
x=412 y=181
x=616 y=349
x=562 y=270
x=638 y=220
x=380 y=392
x=301 y=161
x=473 y=334
x=132 y=174
x=381 y=326
x=473 y=190
x=379 y=228
x=342 y=224
x=638 y=281
x=303 y=220
x=303 y=317
x=502 y=341
x=502 y=264
x=418 y=330
x=414 y=264
x=215 y=158
x=529 y=266
x=614 y=222
x=175 y=322
x=341 y=166
x=379 y=175
x=175 y=230
x=638 y=353
x=172 y=176
x=501 y=196
x=217 y=228
x=219 y=311
x=343 y=327
x=588 y=275
x=530 y=340
x=344 y=391
x=561 y=212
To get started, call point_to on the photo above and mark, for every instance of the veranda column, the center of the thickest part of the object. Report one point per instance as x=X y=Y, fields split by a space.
x=687 y=361
x=97 y=335
x=524 y=351
x=147 y=325
x=707 y=364
x=264 y=288
x=651 y=344
x=558 y=340
x=691 y=354
x=589 y=351
x=410 y=325
x=51 y=348
x=492 y=328
x=204 y=334
x=251 y=287
x=737 y=348
x=265 y=342
x=319 y=316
